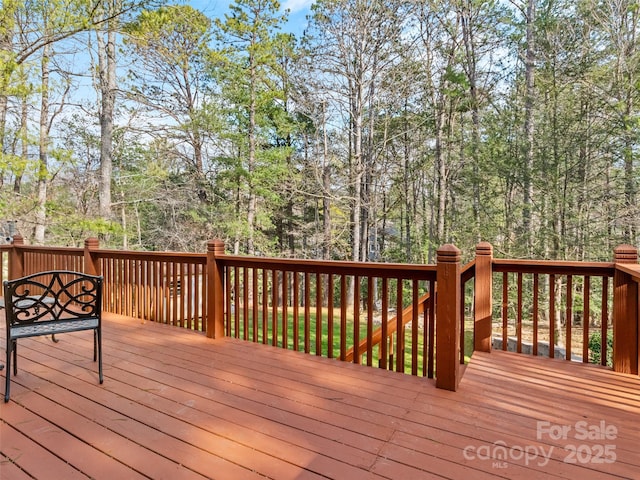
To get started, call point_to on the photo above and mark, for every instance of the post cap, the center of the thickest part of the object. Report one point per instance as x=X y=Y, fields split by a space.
x=449 y=253
x=91 y=243
x=215 y=246
x=18 y=239
x=625 y=254
x=484 y=248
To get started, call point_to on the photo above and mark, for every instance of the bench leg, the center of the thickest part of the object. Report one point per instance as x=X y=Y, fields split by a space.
x=97 y=352
x=15 y=357
x=7 y=380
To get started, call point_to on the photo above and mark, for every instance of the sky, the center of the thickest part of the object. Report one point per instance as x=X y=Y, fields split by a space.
x=296 y=5
x=298 y=10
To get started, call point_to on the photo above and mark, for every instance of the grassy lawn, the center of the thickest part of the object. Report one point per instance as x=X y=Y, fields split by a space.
x=330 y=334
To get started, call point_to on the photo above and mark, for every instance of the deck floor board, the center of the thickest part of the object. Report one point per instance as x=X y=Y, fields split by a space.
x=176 y=404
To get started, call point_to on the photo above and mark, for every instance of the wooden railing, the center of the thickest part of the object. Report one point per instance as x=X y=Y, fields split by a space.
x=417 y=319
x=552 y=306
x=560 y=309
x=162 y=287
x=334 y=309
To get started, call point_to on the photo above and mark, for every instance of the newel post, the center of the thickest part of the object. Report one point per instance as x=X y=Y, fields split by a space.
x=16 y=258
x=91 y=261
x=448 y=311
x=215 y=289
x=483 y=302
x=625 y=314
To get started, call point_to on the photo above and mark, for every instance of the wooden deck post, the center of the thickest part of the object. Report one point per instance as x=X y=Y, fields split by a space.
x=448 y=312
x=215 y=290
x=16 y=258
x=625 y=314
x=91 y=261
x=483 y=302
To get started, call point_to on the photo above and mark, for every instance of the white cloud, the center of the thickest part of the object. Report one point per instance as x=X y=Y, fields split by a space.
x=296 y=5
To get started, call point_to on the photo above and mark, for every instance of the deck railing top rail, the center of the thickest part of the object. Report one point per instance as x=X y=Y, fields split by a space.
x=559 y=267
x=200 y=258
x=630 y=269
x=404 y=270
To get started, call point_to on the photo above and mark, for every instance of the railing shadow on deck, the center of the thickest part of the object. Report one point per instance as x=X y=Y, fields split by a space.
x=423 y=320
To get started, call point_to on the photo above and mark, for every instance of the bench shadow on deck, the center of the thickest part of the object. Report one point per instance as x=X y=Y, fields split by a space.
x=176 y=405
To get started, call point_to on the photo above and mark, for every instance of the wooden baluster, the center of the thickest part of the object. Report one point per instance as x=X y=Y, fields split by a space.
x=318 y=314
x=307 y=313
x=265 y=307
x=432 y=329
x=505 y=310
x=357 y=354
x=384 y=355
x=296 y=311
x=285 y=310
x=254 y=303
x=604 y=322
x=343 y=314
x=552 y=316
x=586 y=314
x=399 y=327
x=536 y=299
x=370 y=306
x=330 y=332
x=569 y=317
x=519 y=315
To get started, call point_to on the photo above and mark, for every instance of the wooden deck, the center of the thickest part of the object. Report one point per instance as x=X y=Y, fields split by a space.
x=177 y=405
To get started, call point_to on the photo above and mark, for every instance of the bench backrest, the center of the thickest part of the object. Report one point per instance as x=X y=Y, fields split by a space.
x=51 y=296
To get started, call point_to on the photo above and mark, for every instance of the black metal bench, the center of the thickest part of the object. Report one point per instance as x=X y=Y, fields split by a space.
x=49 y=303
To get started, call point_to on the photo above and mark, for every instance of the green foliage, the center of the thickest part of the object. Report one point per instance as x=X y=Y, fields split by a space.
x=176 y=31
x=13 y=163
x=595 y=348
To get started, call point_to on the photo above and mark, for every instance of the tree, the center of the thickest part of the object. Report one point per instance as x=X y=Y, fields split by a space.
x=246 y=67
x=31 y=33
x=171 y=45
x=618 y=22
x=106 y=38
x=353 y=49
x=22 y=36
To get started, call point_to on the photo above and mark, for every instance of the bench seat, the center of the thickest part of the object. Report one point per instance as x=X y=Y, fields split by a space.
x=53 y=327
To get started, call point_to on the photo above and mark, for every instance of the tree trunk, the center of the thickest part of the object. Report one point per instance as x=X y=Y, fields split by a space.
x=529 y=126
x=107 y=81
x=440 y=174
x=630 y=132
x=357 y=171
x=326 y=190
x=43 y=173
x=409 y=203
x=3 y=117
x=6 y=45
x=17 y=184
x=253 y=203
x=470 y=60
